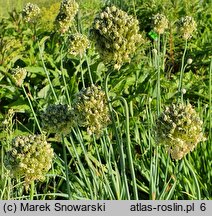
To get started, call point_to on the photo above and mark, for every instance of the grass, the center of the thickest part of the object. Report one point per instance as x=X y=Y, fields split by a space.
x=126 y=161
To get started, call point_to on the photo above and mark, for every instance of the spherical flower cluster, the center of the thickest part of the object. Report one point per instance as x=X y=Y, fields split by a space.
x=19 y=74
x=68 y=10
x=160 y=23
x=187 y=26
x=179 y=128
x=29 y=157
x=31 y=12
x=57 y=119
x=78 y=44
x=91 y=110
x=116 y=36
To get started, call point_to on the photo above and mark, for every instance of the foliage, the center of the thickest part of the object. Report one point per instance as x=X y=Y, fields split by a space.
x=41 y=84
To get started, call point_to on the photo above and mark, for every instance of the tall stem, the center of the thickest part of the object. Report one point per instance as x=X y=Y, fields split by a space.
x=123 y=166
x=158 y=77
x=32 y=187
x=129 y=153
x=194 y=178
x=182 y=72
x=89 y=70
x=30 y=103
x=64 y=79
x=82 y=75
x=210 y=100
x=47 y=74
x=66 y=167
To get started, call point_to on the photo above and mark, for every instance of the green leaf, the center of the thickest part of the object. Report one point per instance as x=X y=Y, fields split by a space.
x=43 y=93
x=19 y=105
x=36 y=70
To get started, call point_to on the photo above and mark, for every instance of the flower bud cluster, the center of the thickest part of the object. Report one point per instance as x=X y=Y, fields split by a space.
x=68 y=10
x=30 y=157
x=179 y=128
x=57 y=119
x=160 y=23
x=19 y=74
x=116 y=36
x=31 y=12
x=91 y=110
x=187 y=26
x=78 y=44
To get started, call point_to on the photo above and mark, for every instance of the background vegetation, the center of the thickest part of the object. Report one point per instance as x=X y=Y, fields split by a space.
x=125 y=162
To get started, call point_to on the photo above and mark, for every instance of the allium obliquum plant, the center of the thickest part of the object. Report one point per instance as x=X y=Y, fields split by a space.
x=160 y=23
x=187 y=26
x=179 y=129
x=65 y=17
x=116 y=36
x=57 y=119
x=19 y=74
x=31 y=12
x=102 y=136
x=91 y=110
x=77 y=44
x=29 y=157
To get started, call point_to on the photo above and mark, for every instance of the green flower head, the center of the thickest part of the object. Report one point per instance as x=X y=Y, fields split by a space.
x=31 y=12
x=57 y=119
x=29 y=157
x=65 y=18
x=116 y=36
x=19 y=74
x=179 y=129
x=187 y=26
x=78 y=44
x=160 y=23
x=91 y=110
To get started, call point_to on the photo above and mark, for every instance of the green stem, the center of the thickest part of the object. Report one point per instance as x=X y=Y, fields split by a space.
x=30 y=103
x=158 y=77
x=47 y=74
x=182 y=72
x=32 y=187
x=66 y=167
x=129 y=152
x=164 y=52
x=81 y=165
x=120 y=144
x=82 y=75
x=195 y=179
x=167 y=167
x=210 y=100
x=91 y=167
x=89 y=70
x=64 y=80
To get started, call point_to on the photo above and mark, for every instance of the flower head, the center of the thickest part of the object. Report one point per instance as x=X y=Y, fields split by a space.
x=68 y=10
x=29 y=157
x=57 y=119
x=78 y=44
x=31 y=12
x=91 y=110
x=19 y=74
x=189 y=61
x=160 y=23
x=179 y=128
x=187 y=26
x=116 y=36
